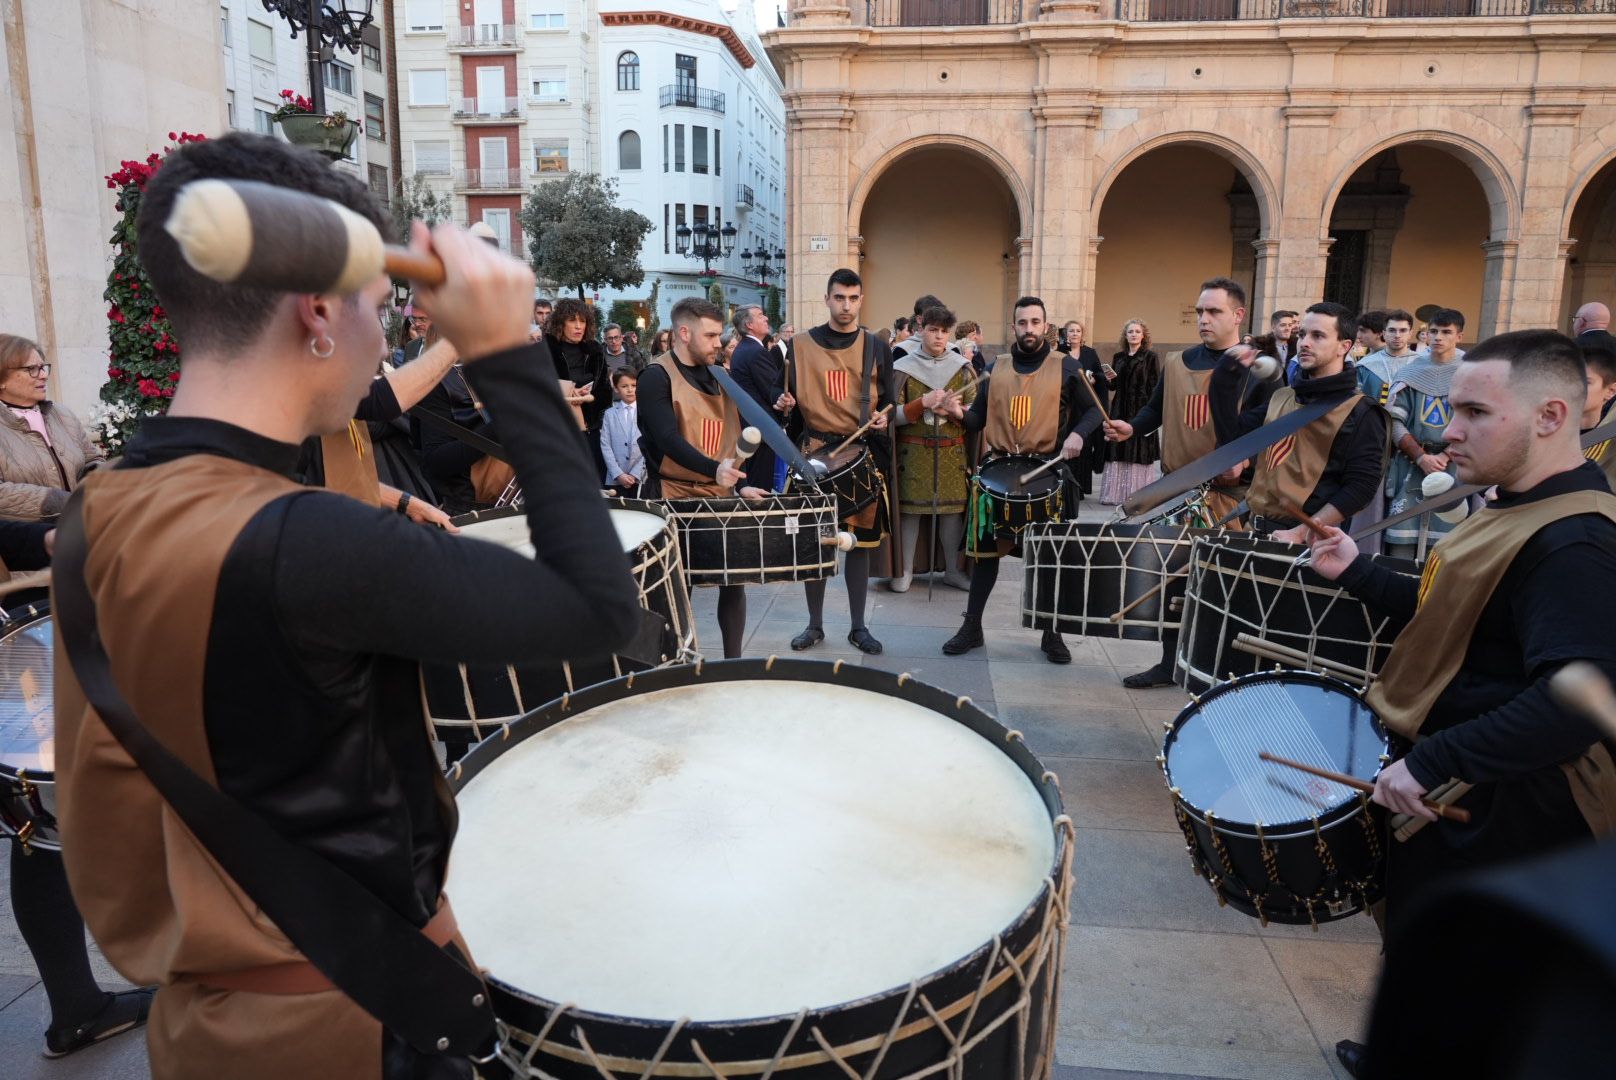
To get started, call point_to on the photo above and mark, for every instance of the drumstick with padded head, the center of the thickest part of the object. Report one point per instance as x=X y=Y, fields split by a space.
x=842 y=541
x=747 y=445
x=243 y=232
x=1452 y=813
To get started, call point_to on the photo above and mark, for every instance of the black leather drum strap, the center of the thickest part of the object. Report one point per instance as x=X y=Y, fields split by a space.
x=1223 y=458
x=477 y=441
x=418 y=991
x=774 y=436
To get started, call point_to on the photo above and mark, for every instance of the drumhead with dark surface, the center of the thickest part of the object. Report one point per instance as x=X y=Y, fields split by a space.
x=716 y=861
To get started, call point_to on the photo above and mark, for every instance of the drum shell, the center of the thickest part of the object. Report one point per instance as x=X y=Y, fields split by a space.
x=1015 y=509
x=28 y=796
x=742 y=541
x=1249 y=585
x=1269 y=872
x=1020 y=1048
x=852 y=477
x=466 y=701
x=1079 y=574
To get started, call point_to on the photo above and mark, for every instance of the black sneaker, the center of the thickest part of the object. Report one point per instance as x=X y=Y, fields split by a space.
x=1150 y=678
x=1055 y=649
x=969 y=637
x=807 y=639
x=121 y=1012
x=864 y=641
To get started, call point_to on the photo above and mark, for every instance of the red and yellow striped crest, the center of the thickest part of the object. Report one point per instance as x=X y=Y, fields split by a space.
x=1197 y=411
x=1598 y=452
x=1428 y=578
x=1280 y=451
x=1020 y=410
x=712 y=436
x=836 y=384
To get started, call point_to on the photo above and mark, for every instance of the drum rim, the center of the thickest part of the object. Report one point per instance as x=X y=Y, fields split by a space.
x=1054 y=478
x=500 y=513
x=902 y=685
x=1279 y=830
x=12 y=624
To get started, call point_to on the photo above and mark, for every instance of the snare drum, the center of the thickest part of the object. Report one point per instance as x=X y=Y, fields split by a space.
x=745 y=880
x=850 y=474
x=466 y=701
x=1016 y=505
x=28 y=728
x=740 y=541
x=1251 y=604
x=1272 y=841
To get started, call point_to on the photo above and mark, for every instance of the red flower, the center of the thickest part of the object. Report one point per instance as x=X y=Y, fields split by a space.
x=149 y=388
x=174 y=376
x=157 y=312
x=114 y=372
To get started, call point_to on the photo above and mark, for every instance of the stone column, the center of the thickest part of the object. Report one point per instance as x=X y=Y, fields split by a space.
x=1499 y=286
x=1265 y=268
x=1056 y=266
x=1297 y=268
x=820 y=237
x=1529 y=288
x=805 y=13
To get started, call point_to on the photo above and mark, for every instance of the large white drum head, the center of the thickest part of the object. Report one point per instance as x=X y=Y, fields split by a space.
x=634 y=527
x=28 y=699
x=735 y=850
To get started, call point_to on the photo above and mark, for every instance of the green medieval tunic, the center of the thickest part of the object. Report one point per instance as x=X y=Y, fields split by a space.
x=920 y=470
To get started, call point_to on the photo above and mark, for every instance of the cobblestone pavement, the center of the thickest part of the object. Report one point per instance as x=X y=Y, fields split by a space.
x=1159 y=981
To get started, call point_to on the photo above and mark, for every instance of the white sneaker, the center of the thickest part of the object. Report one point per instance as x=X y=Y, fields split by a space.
x=957 y=579
x=900 y=584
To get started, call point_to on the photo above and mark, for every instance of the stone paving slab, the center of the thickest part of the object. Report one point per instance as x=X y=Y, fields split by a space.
x=1159 y=981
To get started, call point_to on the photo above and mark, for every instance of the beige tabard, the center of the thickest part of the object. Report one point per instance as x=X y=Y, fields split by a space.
x=1289 y=470
x=709 y=422
x=349 y=461
x=1187 y=431
x=1024 y=410
x=1603 y=454
x=827 y=385
x=1459 y=578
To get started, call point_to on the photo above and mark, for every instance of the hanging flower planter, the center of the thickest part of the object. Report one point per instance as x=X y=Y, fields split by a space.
x=329 y=134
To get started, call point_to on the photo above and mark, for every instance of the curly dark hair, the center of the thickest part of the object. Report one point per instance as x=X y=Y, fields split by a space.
x=206 y=313
x=569 y=308
x=1144 y=343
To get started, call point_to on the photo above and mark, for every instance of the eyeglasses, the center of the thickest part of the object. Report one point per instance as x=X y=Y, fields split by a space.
x=35 y=371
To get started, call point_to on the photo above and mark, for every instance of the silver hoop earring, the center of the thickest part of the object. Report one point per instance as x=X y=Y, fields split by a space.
x=330 y=347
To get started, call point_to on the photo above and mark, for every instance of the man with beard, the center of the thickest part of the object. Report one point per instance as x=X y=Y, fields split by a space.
x=841 y=377
x=1331 y=468
x=1208 y=395
x=1513 y=593
x=1034 y=405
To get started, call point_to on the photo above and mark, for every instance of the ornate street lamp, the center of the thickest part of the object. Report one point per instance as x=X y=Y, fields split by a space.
x=705 y=242
x=330 y=24
x=758 y=265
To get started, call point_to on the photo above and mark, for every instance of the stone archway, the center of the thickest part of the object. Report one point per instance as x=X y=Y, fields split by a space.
x=940 y=218
x=1171 y=217
x=1590 y=272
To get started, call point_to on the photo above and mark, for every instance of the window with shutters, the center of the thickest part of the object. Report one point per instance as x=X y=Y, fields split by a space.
x=423 y=16
x=375 y=118
x=260 y=41
x=678 y=148
x=429 y=86
x=628 y=151
x=431 y=156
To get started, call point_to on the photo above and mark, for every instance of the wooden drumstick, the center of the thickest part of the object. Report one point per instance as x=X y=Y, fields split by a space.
x=845 y=443
x=842 y=541
x=1583 y=688
x=1095 y=397
x=1452 y=813
x=253 y=234
x=1153 y=591
x=1406 y=825
x=1305 y=518
x=1039 y=471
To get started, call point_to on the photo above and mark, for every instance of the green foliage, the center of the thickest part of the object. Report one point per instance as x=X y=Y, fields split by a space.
x=143 y=358
x=580 y=238
x=715 y=293
x=653 y=321
x=414 y=200
x=771 y=306
x=624 y=313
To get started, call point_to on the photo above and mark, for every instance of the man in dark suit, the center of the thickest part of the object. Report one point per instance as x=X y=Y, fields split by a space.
x=759 y=372
x=1591 y=326
x=1280 y=341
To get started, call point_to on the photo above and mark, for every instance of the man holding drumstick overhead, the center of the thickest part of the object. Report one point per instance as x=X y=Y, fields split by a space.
x=689 y=429
x=268 y=635
x=1511 y=595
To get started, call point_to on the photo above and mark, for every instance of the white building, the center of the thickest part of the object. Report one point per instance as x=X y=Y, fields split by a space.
x=261 y=58
x=497 y=95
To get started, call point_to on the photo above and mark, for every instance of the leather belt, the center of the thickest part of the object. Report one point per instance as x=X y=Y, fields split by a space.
x=932 y=440
x=302 y=977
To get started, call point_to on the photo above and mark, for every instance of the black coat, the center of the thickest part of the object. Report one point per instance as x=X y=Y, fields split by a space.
x=758 y=371
x=1136 y=378
x=596 y=374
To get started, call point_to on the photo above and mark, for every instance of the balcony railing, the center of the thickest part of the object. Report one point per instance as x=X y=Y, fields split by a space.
x=944 y=12
x=484 y=107
x=1222 y=10
x=744 y=197
x=489 y=179
x=484 y=36
x=692 y=97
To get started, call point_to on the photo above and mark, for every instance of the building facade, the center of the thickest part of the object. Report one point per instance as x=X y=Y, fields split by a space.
x=1108 y=155
x=499 y=95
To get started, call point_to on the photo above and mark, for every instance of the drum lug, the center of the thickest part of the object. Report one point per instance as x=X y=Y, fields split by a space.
x=24 y=788
x=1167 y=725
x=24 y=836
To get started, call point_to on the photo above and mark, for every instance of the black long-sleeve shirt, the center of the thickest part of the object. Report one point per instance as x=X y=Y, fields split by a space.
x=1353 y=473
x=22 y=544
x=660 y=436
x=1495 y=723
x=324 y=606
x=1078 y=411
x=1238 y=398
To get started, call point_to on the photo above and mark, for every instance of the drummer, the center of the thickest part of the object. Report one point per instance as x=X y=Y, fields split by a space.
x=1516 y=591
x=1034 y=405
x=1208 y=395
x=1332 y=468
x=1601 y=390
x=286 y=672
x=840 y=379
x=688 y=430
